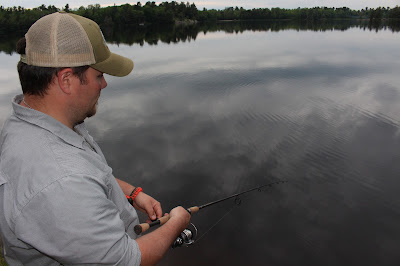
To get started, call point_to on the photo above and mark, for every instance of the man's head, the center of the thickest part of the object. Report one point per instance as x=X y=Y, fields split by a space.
x=63 y=40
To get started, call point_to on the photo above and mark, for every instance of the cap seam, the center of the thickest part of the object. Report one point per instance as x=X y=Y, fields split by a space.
x=54 y=33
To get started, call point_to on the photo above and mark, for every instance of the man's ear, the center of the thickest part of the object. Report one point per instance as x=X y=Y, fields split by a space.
x=65 y=78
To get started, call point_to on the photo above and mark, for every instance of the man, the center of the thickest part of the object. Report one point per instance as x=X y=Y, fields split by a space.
x=59 y=201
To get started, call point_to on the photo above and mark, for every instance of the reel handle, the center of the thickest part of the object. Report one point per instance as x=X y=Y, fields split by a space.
x=143 y=227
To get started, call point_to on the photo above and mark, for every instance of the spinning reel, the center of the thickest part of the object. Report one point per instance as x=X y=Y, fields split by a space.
x=186 y=238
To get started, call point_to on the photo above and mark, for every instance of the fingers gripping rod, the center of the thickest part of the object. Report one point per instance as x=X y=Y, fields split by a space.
x=140 y=228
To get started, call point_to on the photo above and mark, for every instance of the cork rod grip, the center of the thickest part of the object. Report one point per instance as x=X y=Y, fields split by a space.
x=164 y=219
x=141 y=228
x=194 y=209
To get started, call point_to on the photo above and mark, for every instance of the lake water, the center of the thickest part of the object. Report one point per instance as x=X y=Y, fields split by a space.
x=216 y=112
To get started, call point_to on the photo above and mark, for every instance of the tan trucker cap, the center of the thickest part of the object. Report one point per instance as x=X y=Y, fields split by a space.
x=68 y=40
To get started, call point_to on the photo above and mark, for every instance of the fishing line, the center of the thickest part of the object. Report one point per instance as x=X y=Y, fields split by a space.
x=200 y=237
x=238 y=201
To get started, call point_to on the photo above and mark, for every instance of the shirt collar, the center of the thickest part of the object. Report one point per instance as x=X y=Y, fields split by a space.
x=48 y=123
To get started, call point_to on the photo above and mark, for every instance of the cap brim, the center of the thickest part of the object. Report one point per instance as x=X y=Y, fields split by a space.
x=115 y=65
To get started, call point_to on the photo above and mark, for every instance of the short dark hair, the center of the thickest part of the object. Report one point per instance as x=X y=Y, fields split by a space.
x=35 y=80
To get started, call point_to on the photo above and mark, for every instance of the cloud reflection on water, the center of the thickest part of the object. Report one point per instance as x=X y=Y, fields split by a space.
x=218 y=132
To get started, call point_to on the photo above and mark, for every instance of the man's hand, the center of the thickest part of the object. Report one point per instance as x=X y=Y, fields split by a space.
x=181 y=215
x=147 y=204
x=142 y=201
x=155 y=244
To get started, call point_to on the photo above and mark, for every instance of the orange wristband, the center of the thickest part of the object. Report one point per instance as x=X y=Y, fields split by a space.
x=135 y=192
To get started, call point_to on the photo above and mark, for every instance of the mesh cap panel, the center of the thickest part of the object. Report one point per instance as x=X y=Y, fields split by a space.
x=37 y=42
x=73 y=43
x=58 y=40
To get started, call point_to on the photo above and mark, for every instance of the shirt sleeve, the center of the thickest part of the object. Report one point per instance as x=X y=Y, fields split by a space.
x=73 y=221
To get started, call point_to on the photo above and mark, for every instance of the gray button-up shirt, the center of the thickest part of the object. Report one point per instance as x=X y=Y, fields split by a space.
x=59 y=201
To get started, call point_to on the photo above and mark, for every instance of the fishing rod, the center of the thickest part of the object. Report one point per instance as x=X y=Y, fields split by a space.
x=187 y=235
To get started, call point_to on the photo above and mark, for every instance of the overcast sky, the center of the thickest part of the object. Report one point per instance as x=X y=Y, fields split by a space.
x=217 y=4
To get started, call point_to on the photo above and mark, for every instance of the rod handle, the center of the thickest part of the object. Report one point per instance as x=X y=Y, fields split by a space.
x=164 y=219
x=193 y=209
x=140 y=228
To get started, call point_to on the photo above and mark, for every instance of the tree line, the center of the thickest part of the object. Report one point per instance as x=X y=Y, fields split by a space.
x=304 y=14
x=155 y=34
x=19 y=19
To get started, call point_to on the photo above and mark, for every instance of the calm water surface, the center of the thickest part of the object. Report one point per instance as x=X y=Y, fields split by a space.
x=202 y=119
